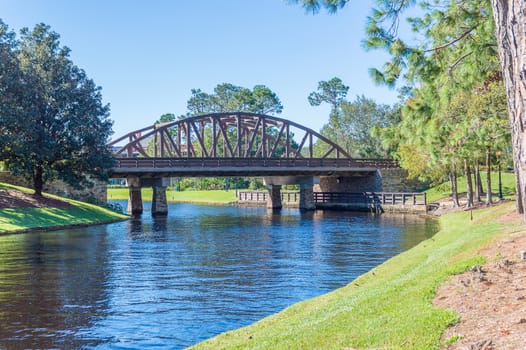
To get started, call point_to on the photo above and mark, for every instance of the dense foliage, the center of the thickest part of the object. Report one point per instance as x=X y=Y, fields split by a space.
x=231 y=98
x=53 y=123
x=454 y=115
x=352 y=124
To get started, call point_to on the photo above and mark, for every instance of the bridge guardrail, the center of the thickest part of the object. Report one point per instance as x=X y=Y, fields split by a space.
x=262 y=196
x=376 y=198
x=163 y=163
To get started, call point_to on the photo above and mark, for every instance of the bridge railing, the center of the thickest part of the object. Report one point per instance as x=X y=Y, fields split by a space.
x=373 y=198
x=365 y=198
x=262 y=196
x=166 y=163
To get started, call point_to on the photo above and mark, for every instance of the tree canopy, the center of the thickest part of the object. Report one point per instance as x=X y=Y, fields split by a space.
x=231 y=98
x=454 y=97
x=351 y=122
x=52 y=120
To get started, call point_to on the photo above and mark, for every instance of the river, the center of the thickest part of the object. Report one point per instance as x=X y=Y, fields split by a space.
x=168 y=283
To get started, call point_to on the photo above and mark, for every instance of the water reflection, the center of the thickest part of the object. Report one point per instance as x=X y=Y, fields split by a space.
x=170 y=282
x=51 y=288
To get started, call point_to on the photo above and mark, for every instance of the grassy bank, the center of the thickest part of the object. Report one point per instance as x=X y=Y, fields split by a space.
x=444 y=190
x=26 y=219
x=386 y=308
x=215 y=196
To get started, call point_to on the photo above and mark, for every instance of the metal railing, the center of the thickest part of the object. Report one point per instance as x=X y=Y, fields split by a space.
x=166 y=163
x=374 y=198
x=262 y=196
x=365 y=198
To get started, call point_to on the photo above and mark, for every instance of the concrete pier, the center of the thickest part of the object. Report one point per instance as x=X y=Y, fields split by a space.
x=159 y=202
x=306 y=189
x=307 y=197
x=134 y=200
x=274 y=198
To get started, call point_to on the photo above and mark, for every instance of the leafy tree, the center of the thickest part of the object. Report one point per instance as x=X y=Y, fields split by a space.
x=231 y=98
x=12 y=88
x=462 y=33
x=61 y=125
x=352 y=127
x=265 y=101
x=332 y=92
x=166 y=118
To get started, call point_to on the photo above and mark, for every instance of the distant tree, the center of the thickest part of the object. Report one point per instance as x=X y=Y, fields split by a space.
x=166 y=118
x=265 y=101
x=352 y=127
x=231 y=98
x=332 y=92
x=60 y=122
x=198 y=103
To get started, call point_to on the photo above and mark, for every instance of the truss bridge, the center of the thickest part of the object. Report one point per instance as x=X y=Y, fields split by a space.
x=232 y=145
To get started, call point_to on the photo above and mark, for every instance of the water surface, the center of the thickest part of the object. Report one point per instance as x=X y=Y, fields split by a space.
x=169 y=283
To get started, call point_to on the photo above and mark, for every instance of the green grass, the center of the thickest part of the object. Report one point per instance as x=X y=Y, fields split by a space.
x=210 y=197
x=386 y=308
x=24 y=219
x=444 y=190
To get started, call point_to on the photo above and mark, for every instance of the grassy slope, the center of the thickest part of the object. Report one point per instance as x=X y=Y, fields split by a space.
x=12 y=220
x=388 y=307
x=444 y=190
x=217 y=196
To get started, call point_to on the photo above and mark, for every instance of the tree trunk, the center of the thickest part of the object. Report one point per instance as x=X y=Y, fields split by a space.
x=454 y=187
x=489 y=200
x=510 y=24
x=38 y=180
x=469 y=184
x=478 y=182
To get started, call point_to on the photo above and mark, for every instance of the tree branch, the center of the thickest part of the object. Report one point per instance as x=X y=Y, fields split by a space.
x=451 y=67
x=462 y=36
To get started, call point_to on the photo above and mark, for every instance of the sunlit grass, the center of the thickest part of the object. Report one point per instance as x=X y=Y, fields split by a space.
x=211 y=197
x=389 y=307
x=444 y=190
x=80 y=213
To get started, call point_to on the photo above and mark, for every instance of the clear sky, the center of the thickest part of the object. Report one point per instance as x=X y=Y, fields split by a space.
x=147 y=55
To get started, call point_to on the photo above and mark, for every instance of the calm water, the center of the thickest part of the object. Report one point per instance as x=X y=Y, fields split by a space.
x=172 y=282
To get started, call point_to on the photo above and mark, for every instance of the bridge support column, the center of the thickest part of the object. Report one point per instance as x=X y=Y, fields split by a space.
x=274 y=198
x=159 y=203
x=134 y=197
x=307 y=197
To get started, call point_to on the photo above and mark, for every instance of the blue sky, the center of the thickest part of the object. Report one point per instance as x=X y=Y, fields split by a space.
x=148 y=55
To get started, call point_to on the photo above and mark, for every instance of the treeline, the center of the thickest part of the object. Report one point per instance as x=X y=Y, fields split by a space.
x=454 y=117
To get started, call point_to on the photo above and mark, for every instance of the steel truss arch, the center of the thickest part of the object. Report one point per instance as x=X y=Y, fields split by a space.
x=227 y=135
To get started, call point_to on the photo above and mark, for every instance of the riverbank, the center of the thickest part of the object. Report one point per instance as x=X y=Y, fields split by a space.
x=20 y=211
x=392 y=305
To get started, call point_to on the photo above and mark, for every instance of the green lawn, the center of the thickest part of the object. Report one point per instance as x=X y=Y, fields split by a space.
x=444 y=190
x=386 y=308
x=80 y=213
x=210 y=197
